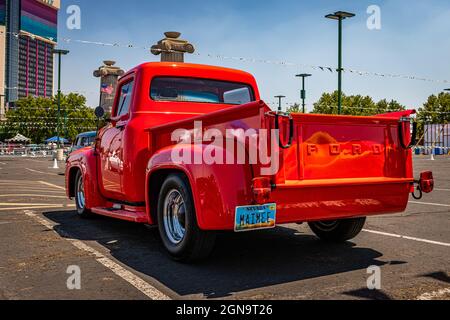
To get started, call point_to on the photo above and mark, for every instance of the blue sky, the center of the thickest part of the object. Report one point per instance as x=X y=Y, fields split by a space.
x=413 y=40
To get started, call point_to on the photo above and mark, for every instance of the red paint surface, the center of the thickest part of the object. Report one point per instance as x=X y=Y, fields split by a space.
x=337 y=167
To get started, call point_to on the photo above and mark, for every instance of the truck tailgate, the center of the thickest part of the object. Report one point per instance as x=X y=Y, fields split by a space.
x=329 y=147
x=342 y=166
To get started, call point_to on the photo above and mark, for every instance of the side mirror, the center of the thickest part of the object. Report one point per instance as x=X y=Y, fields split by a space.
x=99 y=112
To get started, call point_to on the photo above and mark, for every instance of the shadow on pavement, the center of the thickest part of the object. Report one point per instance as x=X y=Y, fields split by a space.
x=440 y=276
x=239 y=262
x=368 y=294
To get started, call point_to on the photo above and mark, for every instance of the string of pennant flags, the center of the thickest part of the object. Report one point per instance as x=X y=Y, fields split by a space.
x=39 y=127
x=46 y=118
x=33 y=90
x=252 y=60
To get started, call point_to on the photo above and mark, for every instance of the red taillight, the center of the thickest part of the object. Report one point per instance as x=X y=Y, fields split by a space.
x=426 y=182
x=262 y=187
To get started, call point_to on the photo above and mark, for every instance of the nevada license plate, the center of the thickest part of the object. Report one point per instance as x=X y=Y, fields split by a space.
x=258 y=217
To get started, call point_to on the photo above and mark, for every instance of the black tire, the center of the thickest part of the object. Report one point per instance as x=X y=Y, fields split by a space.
x=79 y=201
x=338 y=231
x=195 y=244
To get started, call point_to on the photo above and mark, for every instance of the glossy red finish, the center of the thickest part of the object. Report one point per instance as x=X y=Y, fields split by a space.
x=426 y=182
x=337 y=166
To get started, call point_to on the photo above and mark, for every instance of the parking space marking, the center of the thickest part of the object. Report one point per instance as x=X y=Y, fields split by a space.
x=52 y=185
x=447 y=190
x=40 y=172
x=430 y=204
x=38 y=207
x=12 y=204
x=45 y=161
x=29 y=189
x=137 y=282
x=434 y=295
x=407 y=238
x=31 y=196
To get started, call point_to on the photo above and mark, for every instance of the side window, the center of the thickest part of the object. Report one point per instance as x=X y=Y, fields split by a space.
x=126 y=93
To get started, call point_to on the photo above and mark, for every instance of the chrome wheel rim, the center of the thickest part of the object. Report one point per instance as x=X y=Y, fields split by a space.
x=81 y=200
x=327 y=225
x=174 y=217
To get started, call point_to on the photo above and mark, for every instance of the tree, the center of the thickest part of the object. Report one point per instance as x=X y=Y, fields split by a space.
x=37 y=118
x=295 y=108
x=435 y=110
x=356 y=105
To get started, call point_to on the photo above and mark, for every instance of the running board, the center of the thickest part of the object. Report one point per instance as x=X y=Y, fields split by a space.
x=132 y=216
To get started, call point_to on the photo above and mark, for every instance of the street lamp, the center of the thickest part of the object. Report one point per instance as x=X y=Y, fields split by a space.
x=340 y=16
x=60 y=53
x=279 y=102
x=303 y=92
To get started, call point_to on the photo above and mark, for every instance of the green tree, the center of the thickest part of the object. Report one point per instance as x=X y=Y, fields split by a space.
x=37 y=118
x=295 y=108
x=355 y=105
x=435 y=110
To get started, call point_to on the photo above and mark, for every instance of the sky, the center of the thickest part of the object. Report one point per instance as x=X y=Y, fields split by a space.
x=413 y=40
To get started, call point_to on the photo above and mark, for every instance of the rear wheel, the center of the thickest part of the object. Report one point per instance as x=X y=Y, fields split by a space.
x=80 y=196
x=177 y=222
x=339 y=230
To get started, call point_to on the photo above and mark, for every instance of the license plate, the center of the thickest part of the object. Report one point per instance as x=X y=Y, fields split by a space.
x=250 y=218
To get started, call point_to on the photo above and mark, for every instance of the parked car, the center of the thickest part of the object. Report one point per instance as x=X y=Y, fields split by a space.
x=333 y=171
x=83 y=140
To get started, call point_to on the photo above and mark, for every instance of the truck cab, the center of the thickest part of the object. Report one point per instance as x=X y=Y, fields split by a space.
x=330 y=171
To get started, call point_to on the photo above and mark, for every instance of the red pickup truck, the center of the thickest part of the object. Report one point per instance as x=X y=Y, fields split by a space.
x=193 y=150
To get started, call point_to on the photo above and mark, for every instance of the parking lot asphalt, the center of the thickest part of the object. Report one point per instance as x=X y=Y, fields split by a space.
x=41 y=237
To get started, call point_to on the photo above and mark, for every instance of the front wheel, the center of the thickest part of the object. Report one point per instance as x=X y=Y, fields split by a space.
x=80 y=197
x=177 y=222
x=339 y=230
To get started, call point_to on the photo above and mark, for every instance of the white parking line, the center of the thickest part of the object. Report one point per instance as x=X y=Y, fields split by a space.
x=407 y=238
x=12 y=204
x=434 y=295
x=31 y=196
x=36 y=207
x=447 y=190
x=40 y=172
x=52 y=185
x=137 y=282
x=430 y=204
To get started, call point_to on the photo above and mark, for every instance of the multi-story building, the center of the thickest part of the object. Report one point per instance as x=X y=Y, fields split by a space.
x=28 y=34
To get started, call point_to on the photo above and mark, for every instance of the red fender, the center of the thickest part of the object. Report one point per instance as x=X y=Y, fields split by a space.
x=217 y=189
x=85 y=160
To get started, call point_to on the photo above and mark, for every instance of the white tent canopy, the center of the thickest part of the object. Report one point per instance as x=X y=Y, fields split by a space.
x=18 y=139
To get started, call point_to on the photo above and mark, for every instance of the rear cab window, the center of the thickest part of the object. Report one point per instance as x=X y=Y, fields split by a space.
x=178 y=89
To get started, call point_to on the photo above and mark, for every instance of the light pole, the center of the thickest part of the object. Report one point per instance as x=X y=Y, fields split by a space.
x=303 y=92
x=60 y=53
x=279 y=102
x=340 y=16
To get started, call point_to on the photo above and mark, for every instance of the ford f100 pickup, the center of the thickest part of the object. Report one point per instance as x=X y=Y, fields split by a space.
x=194 y=150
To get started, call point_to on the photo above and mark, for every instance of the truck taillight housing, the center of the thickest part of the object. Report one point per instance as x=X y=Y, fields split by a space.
x=426 y=182
x=262 y=188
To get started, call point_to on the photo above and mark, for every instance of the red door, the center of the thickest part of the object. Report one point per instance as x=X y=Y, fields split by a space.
x=111 y=148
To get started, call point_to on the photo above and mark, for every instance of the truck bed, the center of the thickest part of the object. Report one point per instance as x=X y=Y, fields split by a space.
x=336 y=166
